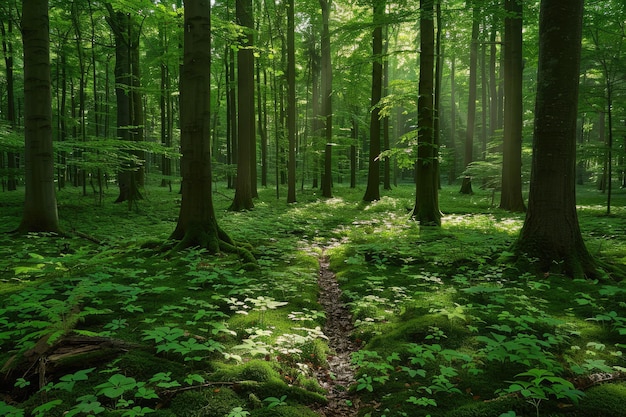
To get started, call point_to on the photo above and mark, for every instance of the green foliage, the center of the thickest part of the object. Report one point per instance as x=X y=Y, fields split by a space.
x=444 y=323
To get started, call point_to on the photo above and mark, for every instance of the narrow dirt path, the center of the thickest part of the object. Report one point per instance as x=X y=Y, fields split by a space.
x=338 y=329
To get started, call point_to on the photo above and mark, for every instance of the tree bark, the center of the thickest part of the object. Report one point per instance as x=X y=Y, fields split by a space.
x=197 y=224
x=511 y=196
x=551 y=232
x=122 y=27
x=466 y=186
x=291 y=104
x=327 y=103
x=372 y=192
x=7 y=51
x=40 y=205
x=426 y=210
x=245 y=104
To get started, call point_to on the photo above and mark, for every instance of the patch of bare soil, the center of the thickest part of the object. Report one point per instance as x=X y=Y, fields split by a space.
x=340 y=373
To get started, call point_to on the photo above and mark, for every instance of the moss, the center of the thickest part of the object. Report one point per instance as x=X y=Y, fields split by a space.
x=279 y=388
x=415 y=330
x=254 y=370
x=206 y=403
x=284 y=411
x=143 y=365
x=487 y=409
x=603 y=401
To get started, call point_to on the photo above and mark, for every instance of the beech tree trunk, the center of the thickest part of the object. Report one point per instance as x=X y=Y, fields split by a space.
x=327 y=103
x=291 y=104
x=551 y=232
x=372 y=192
x=245 y=104
x=426 y=210
x=466 y=186
x=40 y=205
x=197 y=225
x=7 y=51
x=511 y=196
x=126 y=95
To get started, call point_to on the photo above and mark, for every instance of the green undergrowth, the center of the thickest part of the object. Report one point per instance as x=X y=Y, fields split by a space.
x=98 y=323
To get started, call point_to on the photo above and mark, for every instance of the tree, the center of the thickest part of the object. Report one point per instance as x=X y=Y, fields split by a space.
x=426 y=209
x=40 y=206
x=7 y=52
x=466 y=186
x=197 y=225
x=372 y=192
x=511 y=197
x=551 y=232
x=128 y=97
x=326 y=93
x=291 y=104
x=245 y=103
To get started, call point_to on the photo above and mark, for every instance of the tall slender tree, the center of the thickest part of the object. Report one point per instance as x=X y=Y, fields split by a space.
x=40 y=206
x=511 y=196
x=291 y=103
x=245 y=104
x=326 y=94
x=128 y=98
x=372 y=192
x=466 y=186
x=551 y=232
x=426 y=209
x=7 y=52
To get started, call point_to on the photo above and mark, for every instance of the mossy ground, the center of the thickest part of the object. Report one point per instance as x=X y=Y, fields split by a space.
x=446 y=319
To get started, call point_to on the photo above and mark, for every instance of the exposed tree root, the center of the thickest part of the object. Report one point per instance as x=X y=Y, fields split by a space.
x=215 y=241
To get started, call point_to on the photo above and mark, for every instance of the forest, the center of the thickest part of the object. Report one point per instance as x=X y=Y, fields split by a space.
x=372 y=208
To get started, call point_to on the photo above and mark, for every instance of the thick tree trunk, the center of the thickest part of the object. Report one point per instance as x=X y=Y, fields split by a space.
x=197 y=225
x=245 y=103
x=426 y=210
x=551 y=232
x=40 y=206
x=372 y=192
x=511 y=197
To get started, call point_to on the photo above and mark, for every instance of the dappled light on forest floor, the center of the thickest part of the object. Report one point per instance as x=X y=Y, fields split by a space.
x=353 y=310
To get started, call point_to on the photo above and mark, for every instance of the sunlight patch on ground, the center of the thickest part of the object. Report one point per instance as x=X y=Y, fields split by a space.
x=483 y=222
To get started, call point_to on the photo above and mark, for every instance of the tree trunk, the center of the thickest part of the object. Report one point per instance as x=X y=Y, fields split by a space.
x=466 y=186
x=7 y=51
x=453 y=134
x=316 y=110
x=426 y=210
x=386 y=121
x=327 y=103
x=122 y=27
x=197 y=225
x=40 y=205
x=551 y=232
x=511 y=196
x=245 y=104
x=372 y=192
x=291 y=104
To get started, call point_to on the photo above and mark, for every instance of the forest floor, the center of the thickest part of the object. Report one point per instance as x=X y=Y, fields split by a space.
x=353 y=311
